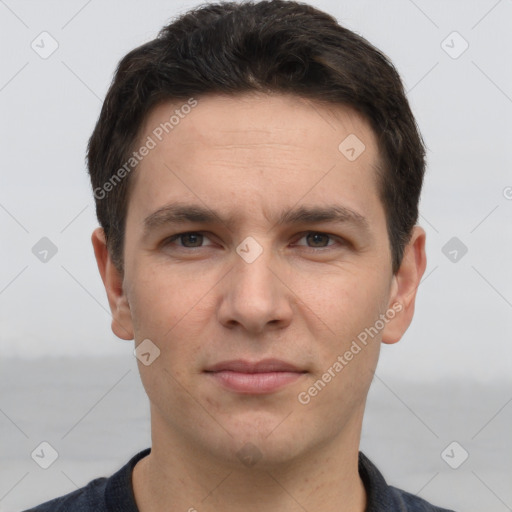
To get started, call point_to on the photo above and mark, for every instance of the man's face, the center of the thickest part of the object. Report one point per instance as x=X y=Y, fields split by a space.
x=245 y=286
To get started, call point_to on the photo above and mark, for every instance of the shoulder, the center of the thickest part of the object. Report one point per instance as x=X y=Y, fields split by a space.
x=99 y=495
x=88 y=498
x=382 y=496
x=411 y=503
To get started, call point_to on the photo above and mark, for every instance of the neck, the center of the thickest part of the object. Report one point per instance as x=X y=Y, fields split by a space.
x=326 y=478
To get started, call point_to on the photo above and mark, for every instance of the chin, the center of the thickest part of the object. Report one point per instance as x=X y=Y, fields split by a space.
x=265 y=440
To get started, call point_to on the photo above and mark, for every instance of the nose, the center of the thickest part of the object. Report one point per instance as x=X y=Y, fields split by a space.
x=255 y=295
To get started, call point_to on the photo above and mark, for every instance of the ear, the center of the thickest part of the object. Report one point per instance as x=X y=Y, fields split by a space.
x=113 y=281
x=404 y=285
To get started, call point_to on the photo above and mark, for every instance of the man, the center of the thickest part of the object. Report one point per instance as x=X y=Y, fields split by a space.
x=257 y=172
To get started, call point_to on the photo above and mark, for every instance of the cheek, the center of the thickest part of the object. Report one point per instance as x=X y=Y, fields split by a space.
x=346 y=306
x=172 y=309
x=165 y=310
x=342 y=302
x=162 y=298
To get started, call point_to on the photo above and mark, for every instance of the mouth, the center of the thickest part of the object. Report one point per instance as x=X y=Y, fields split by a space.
x=261 y=377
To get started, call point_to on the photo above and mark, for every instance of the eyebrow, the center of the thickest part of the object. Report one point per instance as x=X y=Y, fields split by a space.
x=175 y=213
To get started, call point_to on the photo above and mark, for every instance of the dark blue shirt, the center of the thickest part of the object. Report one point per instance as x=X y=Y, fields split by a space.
x=115 y=494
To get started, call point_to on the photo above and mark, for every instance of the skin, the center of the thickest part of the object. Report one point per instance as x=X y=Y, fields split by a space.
x=303 y=300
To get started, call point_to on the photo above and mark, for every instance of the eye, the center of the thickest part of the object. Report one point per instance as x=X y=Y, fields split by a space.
x=318 y=240
x=190 y=239
x=195 y=239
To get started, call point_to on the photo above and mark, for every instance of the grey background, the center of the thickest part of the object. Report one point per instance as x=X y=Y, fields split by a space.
x=448 y=379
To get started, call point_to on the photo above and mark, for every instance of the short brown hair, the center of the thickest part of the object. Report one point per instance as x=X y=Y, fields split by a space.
x=267 y=46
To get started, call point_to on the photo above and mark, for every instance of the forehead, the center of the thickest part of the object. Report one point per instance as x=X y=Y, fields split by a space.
x=256 y=152
x=279 y=117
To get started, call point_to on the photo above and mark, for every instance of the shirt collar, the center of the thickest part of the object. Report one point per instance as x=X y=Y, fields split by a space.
x=378 y=495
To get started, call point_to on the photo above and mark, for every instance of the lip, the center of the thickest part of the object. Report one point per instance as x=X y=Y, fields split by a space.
x=263 y=366
x=260 y=377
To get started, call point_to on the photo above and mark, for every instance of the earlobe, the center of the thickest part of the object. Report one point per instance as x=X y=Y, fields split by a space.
x=113 y=281
x=404 y=287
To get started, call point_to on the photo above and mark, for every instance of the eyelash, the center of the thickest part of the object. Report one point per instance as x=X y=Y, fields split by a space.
x=168 y=241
